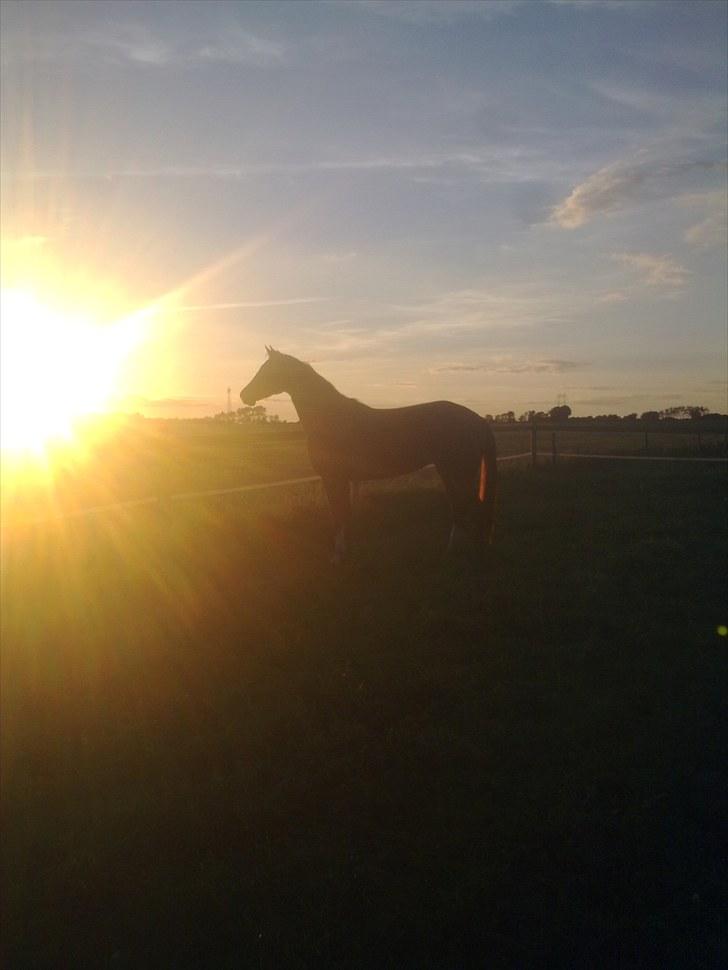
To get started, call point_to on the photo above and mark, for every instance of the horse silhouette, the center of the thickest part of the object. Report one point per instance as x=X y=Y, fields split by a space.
x=350 y=442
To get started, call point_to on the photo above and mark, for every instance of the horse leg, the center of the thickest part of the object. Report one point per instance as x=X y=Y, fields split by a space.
x=488 y=486
x=461 y=487
x=338 y=493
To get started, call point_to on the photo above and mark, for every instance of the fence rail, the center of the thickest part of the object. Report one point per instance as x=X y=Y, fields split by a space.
x=534 y=454
x=579 y=454
x=712 y=439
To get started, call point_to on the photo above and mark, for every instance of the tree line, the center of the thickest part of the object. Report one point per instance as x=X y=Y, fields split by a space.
x=258 y=415
x=562 y=412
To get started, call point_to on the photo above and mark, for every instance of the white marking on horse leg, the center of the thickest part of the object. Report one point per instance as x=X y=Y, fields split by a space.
x=354 y=493
x=457 y=538
x=340 y=547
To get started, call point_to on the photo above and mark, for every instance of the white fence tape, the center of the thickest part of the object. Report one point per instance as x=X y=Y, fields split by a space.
x=576 y=454
x=309 y=480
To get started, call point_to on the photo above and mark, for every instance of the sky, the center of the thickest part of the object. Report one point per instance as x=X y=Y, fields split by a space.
x=503 y=204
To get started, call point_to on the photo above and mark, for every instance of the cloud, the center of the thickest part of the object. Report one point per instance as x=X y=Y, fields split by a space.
x=708 y=233
x=339 y=257
x=254 y=304
x=660 y=271
x=427 y=12
x=711 y=230
x=601 y=4
x=239 y=46
x=24 y=243
x=617 y=186
x=432 y=324
x=134 y=43
x=506 y=365
x=123 y=42
x=441 y=12
x=616 y=401
x=139 y=401
x=482 y=164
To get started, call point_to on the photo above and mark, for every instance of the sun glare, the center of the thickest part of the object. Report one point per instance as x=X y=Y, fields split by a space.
x=56 y=367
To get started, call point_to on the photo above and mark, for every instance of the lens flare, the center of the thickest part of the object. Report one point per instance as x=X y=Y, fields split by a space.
x=56 y=367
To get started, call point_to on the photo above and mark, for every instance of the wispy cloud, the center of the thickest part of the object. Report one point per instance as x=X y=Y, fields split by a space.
x=134 y=43
x=493 y=315
x=23 y=243
x=436 y=12
x=422 y=326
x=712 y=230
x=709 y=232
x=339 y=257
x=502 y=306
x=433 y=12
x=508 y=365
x=655 y=270
x=481 y=164
x=617 y=186
x=596 y=5
x=254 y=304
x=613 y=296
x=238 y=46
x=139 y=401
x=621 y=401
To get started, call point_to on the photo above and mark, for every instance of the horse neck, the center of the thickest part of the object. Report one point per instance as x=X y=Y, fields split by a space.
x=315 y=399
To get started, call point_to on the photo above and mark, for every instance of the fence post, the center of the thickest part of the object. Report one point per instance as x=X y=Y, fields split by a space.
x=533 y=443
x=553 y=447
x=646 y=443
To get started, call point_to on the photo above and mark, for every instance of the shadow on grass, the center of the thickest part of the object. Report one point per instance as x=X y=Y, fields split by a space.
x=219 y=750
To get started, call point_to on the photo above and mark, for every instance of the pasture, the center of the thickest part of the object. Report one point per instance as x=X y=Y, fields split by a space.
x=218 y=750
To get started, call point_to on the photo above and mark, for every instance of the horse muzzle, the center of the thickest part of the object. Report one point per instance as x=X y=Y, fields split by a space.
x=247 y=398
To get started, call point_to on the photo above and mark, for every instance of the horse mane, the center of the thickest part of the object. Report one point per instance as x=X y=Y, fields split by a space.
x=320 y=383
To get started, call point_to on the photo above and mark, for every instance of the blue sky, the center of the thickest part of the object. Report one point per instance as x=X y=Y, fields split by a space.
x=495 y=203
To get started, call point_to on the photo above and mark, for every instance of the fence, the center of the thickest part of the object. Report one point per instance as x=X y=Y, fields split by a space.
x=643 y=438
x=534 y=454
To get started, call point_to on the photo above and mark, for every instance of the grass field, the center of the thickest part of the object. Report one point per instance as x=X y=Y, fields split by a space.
x=220 y=751
x=157 y=459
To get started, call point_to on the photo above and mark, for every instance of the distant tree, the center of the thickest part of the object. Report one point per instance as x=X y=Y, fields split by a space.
x=682 y=411
x=561 y=412
x=488 y=417
x=630 y=417
x=650 y=416
x=507 y=417
x=251 y=415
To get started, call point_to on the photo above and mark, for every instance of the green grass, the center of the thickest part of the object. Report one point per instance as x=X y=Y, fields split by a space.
x=218 y=750
x=127 y=462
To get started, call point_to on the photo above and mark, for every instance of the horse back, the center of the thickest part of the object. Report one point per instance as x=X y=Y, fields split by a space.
x=366 y=442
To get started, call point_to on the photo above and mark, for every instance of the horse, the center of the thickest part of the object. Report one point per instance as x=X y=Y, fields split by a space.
x=350 y=442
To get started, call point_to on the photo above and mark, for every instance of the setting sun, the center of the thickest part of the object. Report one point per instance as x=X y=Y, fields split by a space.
x=56 y=367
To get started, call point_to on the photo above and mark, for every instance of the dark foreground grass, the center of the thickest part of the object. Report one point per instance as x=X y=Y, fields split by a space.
x=218 y=751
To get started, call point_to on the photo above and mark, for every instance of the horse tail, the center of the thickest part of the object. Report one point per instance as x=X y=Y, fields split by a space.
x=488 y=486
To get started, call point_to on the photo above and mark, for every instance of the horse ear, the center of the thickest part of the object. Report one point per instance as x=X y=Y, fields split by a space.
x=268 y=350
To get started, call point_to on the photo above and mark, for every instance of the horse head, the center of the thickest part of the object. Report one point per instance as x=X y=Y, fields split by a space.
x=273 y=377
